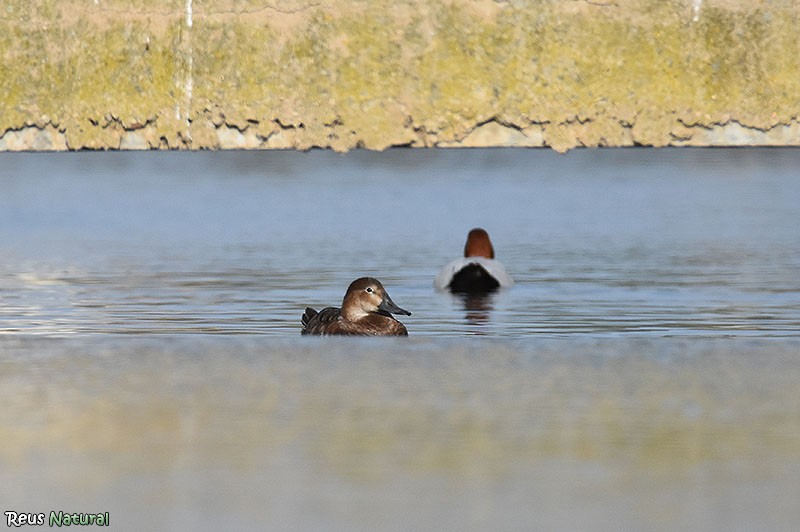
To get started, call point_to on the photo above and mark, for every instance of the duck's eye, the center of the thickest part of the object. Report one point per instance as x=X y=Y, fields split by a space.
x=369 y=289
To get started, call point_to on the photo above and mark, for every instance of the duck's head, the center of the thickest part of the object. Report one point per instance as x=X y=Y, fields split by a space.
x=366 y=295
x=478 y=244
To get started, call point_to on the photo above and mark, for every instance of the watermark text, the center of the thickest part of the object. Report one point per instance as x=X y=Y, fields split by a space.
x=58 y=519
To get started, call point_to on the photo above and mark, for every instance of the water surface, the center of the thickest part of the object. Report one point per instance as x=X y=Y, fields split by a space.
x=641 y=375
x=654 y=242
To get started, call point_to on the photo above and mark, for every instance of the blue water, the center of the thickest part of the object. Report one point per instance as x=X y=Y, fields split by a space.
x=642 y=374
x=652 y=242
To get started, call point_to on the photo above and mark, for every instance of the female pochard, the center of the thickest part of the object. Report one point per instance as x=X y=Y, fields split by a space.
x=366 y=310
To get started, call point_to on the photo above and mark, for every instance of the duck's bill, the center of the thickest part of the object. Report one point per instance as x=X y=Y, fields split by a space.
x=387 y=305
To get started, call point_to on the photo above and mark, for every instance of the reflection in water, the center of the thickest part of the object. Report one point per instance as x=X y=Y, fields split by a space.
x=477 y=307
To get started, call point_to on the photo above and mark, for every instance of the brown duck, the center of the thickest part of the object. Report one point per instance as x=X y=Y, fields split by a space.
x=366 y=310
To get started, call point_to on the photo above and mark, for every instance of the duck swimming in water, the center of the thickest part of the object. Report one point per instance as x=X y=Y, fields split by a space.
x=366 y=310
x=477 y=271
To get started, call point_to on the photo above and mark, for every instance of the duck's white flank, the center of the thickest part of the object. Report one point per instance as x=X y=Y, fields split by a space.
x=492 y=267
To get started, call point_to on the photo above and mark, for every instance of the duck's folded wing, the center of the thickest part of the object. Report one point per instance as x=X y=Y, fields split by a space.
x=492 y=267
x=328 y=315
x=320 y=322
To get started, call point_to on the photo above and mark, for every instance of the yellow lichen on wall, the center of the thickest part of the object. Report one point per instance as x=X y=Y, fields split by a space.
x=195 y=74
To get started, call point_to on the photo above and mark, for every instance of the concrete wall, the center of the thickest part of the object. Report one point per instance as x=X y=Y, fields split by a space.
x=195 y=74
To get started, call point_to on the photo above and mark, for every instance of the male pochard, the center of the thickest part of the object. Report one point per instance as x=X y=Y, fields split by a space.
x=366 y=310
x=477 y=271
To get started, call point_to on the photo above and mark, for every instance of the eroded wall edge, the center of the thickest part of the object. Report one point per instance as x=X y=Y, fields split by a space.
x=189 y=74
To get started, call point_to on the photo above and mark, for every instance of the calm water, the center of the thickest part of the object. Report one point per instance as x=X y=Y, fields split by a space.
x=600 y=242
x=641 y=375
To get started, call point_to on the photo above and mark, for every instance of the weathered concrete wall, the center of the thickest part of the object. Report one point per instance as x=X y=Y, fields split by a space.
x=136 y=74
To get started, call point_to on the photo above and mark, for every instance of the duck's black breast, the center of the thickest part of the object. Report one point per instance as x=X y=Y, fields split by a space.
x=473 y=279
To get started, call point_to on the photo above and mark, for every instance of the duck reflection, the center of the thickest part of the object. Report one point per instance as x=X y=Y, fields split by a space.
x=477 y=306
